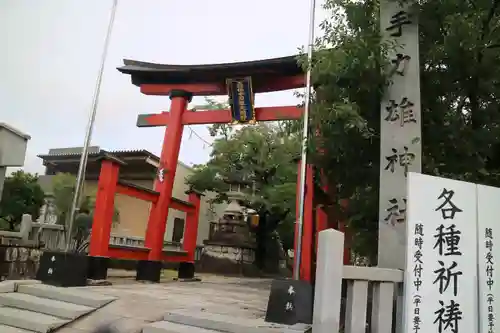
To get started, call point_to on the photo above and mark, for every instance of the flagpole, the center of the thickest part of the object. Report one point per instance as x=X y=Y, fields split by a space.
x=303 y=165
x=80 y=178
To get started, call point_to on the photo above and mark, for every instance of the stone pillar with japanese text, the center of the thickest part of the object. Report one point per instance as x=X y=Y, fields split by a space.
x=400 y=129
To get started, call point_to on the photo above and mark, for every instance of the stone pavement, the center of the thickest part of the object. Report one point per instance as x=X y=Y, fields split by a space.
x=142 y=303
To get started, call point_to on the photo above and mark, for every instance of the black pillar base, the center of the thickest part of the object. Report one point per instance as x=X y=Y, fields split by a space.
x=290 y=302
x=148 y=270
x=186 y=270
x=98 y=268
x=63 y=269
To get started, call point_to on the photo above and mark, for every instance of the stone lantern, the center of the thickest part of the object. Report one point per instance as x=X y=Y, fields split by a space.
x=232 y=227
x=231 y=248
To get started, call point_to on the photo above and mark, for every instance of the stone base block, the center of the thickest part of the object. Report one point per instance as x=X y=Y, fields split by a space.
x=63 y=269
x=98 y=268
x=290 y=302
x=186 y=270
x=148 y=270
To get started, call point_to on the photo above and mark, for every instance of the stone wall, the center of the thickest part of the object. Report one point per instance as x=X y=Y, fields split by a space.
x=226 y=259
x=18 y=262
x=232 y=253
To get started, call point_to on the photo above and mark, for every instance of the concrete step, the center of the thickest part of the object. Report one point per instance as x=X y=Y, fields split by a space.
x=169 y=327
x=224 y=323
x=70 y=295
x=10 y=286
x=29 y=320
x=44 y=305
x=10 y=329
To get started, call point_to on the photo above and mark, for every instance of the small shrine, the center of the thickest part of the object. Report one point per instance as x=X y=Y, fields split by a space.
x=231 y=246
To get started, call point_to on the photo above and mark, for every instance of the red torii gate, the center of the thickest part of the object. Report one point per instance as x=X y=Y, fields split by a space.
x=181 y=83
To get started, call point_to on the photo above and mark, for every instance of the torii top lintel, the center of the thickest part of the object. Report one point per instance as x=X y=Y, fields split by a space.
x=210 y=80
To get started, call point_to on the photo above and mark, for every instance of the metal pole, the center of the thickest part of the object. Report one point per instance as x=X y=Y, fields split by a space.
x=307 y=106
x=80 y=178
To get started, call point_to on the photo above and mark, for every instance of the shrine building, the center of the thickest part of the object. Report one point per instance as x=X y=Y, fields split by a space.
x=140 y=169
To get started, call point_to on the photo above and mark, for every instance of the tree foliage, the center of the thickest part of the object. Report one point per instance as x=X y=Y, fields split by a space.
x=460 y=92
x=62 y=187
x=21 y=195
x=260 y=156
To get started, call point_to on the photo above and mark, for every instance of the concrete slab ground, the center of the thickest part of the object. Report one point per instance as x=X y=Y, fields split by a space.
x=143 y=303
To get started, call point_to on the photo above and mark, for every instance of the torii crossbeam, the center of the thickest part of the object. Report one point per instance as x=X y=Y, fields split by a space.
x=202 y=117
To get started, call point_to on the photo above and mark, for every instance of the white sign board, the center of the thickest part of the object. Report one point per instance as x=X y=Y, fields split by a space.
x=488 y=213
x=441 y=257
x=400 y=129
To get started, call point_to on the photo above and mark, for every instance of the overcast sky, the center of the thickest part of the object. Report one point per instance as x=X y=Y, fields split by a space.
x=51 y=52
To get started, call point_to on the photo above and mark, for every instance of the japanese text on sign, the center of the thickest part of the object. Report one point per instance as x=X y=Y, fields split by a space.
x=418 y=269
x=490 y=298
x=447 y=276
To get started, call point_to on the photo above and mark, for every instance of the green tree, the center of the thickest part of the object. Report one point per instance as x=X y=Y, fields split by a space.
x=63 y=187
x=263 y=157
x=21 y=195
x=460 y=96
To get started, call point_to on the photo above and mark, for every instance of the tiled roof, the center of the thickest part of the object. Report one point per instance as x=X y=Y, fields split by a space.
x=96 y=151
x=72 y=152
x=260 y=70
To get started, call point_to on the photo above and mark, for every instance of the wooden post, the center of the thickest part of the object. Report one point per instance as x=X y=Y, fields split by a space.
x=321 y=215
x=166 y=174
x=192 y=221
x=321 y=223
x=104 y=207
x=347 y=239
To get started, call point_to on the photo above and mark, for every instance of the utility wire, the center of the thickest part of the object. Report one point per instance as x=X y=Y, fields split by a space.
x=193 y=132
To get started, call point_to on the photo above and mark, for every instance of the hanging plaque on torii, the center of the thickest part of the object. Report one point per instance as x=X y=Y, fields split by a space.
x=241 y=100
